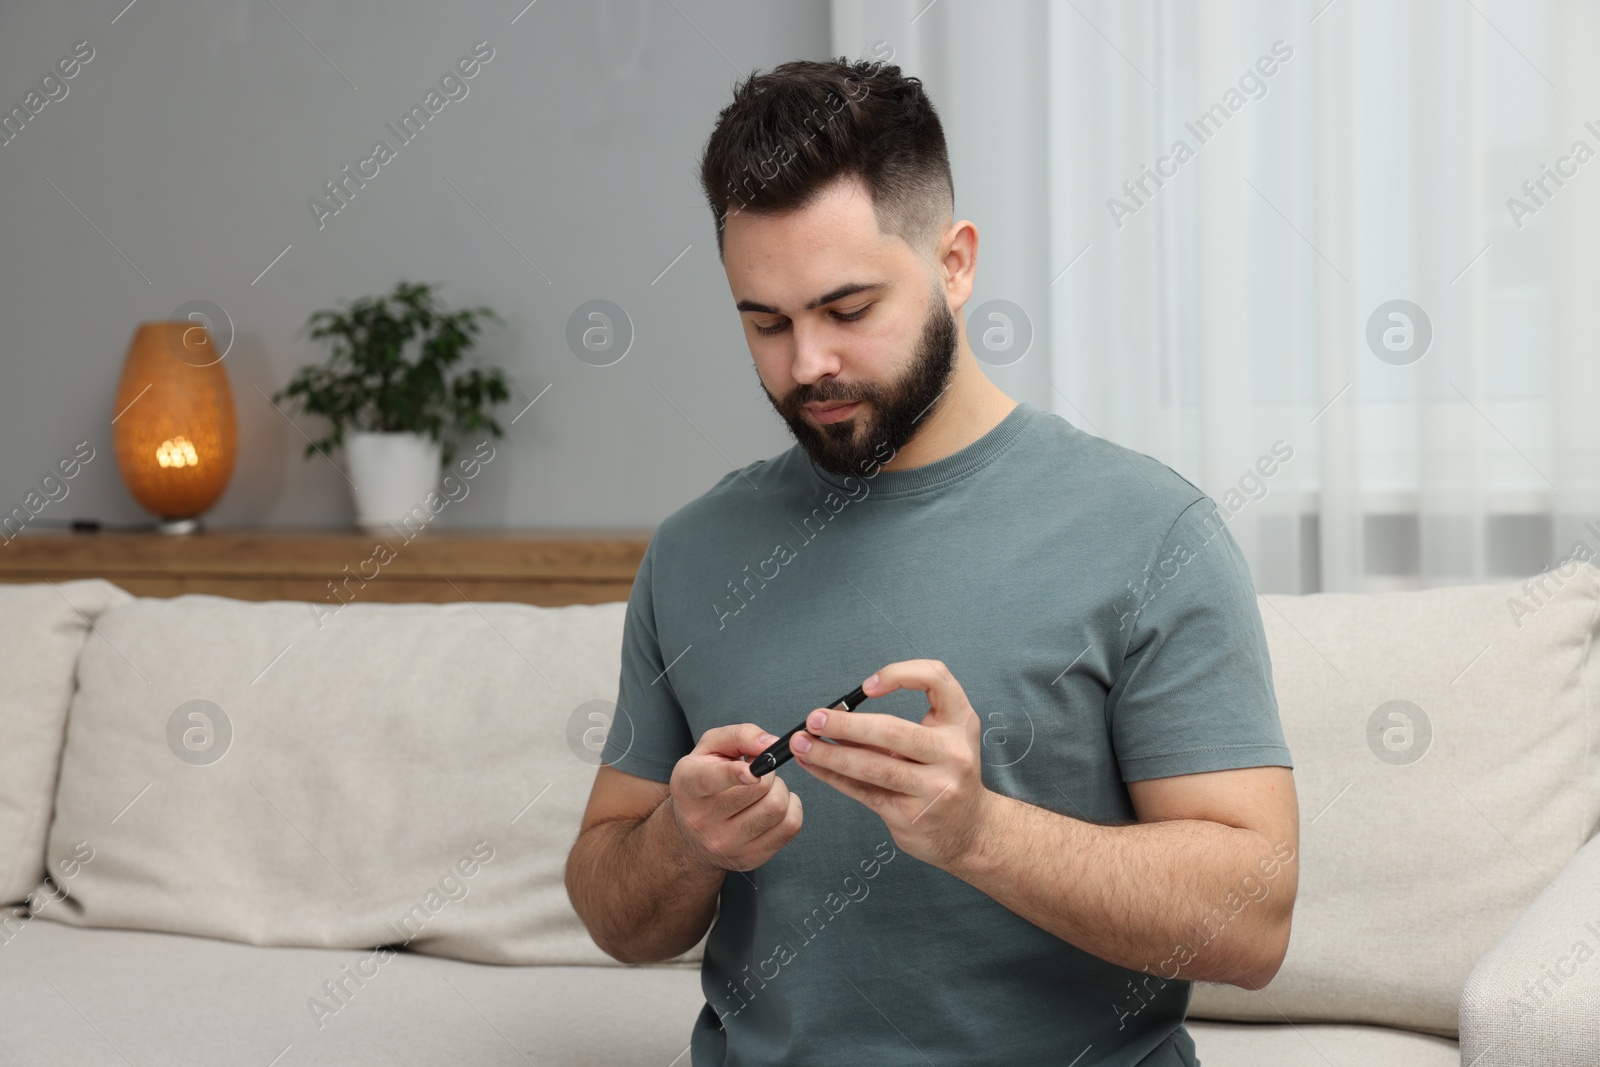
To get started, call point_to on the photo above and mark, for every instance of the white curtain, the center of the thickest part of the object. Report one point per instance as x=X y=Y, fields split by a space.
x=1356 y=179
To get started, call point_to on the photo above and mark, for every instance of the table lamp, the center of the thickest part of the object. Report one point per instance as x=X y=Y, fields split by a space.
x=174 y=428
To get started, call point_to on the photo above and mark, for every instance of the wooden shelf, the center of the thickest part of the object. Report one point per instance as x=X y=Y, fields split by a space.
x=546 y=567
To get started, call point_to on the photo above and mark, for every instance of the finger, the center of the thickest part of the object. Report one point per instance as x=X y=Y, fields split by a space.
x=783 y=832
x=708 y=775
x=946 y=698
x=865 y=794
x=737 y=798
x=885 y=734
x=766 y=812
x=853 y=744
x=889 y=773
x=743 y=739
x=718 y=763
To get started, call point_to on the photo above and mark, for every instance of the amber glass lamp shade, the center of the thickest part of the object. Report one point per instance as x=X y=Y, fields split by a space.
x=174 y=423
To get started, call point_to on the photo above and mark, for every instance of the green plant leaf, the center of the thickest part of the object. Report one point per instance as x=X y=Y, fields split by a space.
x=394 y=365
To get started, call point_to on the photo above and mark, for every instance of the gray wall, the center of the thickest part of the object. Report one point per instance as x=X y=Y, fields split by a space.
x=195 y=136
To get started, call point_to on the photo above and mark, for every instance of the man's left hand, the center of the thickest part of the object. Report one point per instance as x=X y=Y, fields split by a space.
x=925 y=781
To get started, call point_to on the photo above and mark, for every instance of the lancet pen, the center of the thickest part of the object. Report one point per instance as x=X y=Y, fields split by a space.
x=777 y=754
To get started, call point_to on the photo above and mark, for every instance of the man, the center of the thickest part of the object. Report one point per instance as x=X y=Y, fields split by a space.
x=1068 y=796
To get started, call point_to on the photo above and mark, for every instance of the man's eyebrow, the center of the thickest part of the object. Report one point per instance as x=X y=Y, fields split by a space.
x=848 y=289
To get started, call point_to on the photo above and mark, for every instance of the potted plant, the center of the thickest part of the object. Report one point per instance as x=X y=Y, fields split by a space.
x=388 y=410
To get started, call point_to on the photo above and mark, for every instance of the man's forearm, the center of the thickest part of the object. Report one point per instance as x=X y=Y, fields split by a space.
x=637 y=889
x=1182 y=898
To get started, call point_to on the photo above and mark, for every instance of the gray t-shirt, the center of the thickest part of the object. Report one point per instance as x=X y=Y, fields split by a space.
x=1102 y=621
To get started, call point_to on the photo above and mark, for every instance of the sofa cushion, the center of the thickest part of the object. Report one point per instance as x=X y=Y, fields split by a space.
x=1268 y=1045
x=42 y=629
x=391 y=773
x=92 y=997
x=195 y=1002
x=1447 y=769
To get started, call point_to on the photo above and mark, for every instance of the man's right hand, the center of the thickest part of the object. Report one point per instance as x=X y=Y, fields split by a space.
x=729 y=819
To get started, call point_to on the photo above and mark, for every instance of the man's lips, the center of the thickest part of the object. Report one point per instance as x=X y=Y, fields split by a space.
x=832 y=412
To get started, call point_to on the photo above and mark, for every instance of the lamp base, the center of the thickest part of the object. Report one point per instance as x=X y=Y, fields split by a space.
x=178 y=526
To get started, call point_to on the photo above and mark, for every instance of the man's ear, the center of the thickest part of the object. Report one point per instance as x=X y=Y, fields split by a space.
x=958 y=261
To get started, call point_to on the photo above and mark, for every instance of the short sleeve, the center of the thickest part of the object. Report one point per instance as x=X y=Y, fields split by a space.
x=1195 y=689
x=649 y=733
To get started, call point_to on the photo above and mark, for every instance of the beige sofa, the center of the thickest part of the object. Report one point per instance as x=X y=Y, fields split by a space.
x=237 y=802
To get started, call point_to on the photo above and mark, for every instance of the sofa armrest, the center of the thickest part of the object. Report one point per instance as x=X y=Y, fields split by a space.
x=1531 y=998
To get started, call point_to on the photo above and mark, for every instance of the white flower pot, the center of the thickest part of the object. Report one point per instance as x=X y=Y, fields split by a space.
x=393 y=475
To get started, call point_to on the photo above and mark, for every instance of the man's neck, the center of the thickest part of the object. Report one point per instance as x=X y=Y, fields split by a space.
x=956 y=421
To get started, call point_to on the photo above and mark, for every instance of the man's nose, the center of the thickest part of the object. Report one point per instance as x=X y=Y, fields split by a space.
x=814 y=354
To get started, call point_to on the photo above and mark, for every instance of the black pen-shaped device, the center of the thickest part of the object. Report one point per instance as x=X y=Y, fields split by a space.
x=778 y=753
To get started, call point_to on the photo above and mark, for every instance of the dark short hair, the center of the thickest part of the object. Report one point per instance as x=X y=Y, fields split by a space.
x=792 y=131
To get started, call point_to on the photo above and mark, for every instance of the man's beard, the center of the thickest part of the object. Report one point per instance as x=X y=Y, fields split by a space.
x=891 y=416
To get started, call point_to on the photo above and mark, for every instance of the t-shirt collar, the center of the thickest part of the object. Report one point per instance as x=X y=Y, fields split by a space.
x=940 y=472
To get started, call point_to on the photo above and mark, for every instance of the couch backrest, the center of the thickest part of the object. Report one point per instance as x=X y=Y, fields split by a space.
x=42 y=629
x=1445 y=749
x=391 y=773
